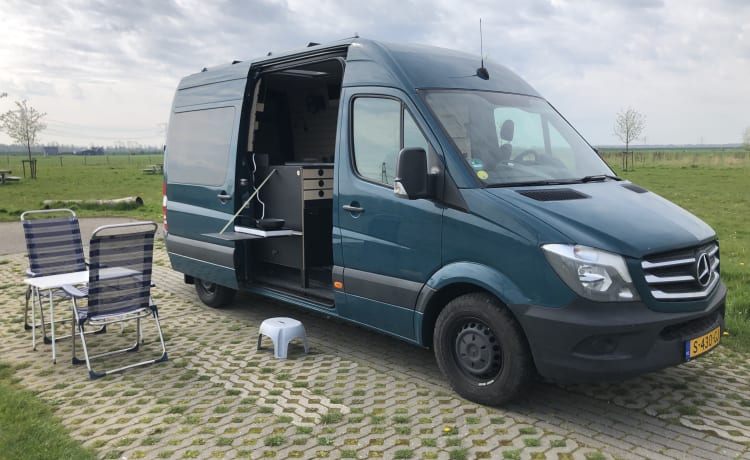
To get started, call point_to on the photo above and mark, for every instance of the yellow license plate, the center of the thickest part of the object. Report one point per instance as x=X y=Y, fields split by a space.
x=699 y=345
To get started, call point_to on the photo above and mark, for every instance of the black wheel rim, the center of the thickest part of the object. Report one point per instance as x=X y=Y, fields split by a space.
x=477 y=350
x=208 y=287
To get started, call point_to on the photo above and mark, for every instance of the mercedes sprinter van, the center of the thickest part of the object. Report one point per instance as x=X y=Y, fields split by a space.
x=414 y=191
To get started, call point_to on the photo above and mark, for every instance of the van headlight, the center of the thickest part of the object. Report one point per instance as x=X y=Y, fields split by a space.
x=592 y=273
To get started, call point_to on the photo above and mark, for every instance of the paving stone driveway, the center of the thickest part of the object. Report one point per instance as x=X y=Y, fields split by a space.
x=357 y=394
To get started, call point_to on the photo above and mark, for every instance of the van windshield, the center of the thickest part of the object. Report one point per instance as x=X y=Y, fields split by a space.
x=510 y=139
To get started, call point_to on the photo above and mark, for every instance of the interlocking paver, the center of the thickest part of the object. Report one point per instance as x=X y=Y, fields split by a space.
x=356 y=394
x=708 y=445
x=653 y=455
x=607 y=430
x=616 y=442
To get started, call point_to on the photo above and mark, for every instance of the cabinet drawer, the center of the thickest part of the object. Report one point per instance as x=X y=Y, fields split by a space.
x=317 y=173
x=320 y=194
x=286 y=251
x=315 y=184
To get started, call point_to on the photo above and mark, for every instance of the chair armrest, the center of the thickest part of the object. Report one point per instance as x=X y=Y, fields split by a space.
x=73 y=291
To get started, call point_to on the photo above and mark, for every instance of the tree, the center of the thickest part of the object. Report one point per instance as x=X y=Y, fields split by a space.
x=629 y=126
x=22 y=125
x=746 y=138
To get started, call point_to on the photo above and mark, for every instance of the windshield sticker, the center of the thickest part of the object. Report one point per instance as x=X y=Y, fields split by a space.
x=482 y=174
x=476 y=163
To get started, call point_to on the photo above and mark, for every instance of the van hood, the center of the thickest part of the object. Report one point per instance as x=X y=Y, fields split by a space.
x=620 y=217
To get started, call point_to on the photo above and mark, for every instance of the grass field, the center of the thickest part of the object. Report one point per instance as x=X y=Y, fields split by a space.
x=28 y=427
x=83 y=178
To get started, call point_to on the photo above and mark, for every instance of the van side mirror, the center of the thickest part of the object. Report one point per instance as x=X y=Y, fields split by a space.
x=412 y=179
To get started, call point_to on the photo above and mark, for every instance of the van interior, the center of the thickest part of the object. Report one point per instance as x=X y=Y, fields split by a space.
x=296 y=113
x=292 y=132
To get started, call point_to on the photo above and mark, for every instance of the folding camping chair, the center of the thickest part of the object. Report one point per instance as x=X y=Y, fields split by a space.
x=53 y=242
x=119 y=288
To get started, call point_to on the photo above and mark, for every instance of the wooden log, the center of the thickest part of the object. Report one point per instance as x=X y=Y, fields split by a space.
x=133 y=200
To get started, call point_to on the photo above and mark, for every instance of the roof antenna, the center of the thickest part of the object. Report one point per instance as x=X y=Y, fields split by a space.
x=482 y=71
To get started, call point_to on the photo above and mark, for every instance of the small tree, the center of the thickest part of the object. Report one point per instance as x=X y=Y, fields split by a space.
x=629 y=126
x=746 y=138
x=22 y=125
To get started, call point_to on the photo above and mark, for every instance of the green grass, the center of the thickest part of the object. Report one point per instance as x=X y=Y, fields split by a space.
x=274 y=441
x=83 y=178
x=714 y=186
x=331 y=417
x=29 y=429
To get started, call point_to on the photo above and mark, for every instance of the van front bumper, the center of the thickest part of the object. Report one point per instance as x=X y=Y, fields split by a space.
x=589 y=341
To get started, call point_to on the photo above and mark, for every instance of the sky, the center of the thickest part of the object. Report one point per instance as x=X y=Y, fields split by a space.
x=104 y=72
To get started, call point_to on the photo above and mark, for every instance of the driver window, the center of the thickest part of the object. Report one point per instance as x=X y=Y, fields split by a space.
x=379 y=132
x=413 y=137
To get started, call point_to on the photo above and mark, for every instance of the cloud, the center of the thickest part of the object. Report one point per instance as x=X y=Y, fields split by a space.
x=75 y=91
x=588 y=57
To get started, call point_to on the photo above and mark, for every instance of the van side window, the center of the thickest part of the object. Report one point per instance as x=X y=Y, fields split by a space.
x=381 y=127
x=199 y=146
x=413 y=137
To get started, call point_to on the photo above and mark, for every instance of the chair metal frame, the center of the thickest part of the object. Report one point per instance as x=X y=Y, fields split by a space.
x=119 y=288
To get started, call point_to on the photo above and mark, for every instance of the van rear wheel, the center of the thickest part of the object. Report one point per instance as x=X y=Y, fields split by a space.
x=480 y=348
x=214 y=295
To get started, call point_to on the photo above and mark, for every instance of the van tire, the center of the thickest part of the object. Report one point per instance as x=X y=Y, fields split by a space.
x=214 y=295
x=481 y=349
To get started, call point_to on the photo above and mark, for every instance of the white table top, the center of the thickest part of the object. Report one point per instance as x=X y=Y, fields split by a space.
x=57 y=281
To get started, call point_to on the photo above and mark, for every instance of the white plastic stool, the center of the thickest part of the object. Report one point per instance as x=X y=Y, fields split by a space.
x=281 y=331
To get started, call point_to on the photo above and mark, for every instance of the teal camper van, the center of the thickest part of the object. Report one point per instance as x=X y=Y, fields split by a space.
x=414 y=191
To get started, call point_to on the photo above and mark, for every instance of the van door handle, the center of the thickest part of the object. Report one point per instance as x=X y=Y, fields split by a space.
x=351 y=208
x=224 y=196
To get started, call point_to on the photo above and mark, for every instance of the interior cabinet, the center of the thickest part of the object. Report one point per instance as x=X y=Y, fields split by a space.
x=302 y=195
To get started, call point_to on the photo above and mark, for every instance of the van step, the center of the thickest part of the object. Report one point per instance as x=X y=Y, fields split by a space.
x=287 y=280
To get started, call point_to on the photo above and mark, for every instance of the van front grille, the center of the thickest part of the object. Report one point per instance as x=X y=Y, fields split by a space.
x=691 y=328
x=683 y=275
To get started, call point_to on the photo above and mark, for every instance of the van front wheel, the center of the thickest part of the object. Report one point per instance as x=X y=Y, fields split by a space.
x=214 y=295
x=481 y=349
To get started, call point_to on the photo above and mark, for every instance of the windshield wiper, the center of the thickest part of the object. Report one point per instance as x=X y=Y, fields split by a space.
x=599 y=178
x=535 y=183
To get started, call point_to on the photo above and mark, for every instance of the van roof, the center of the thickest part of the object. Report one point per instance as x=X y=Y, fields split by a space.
x=374 y=63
